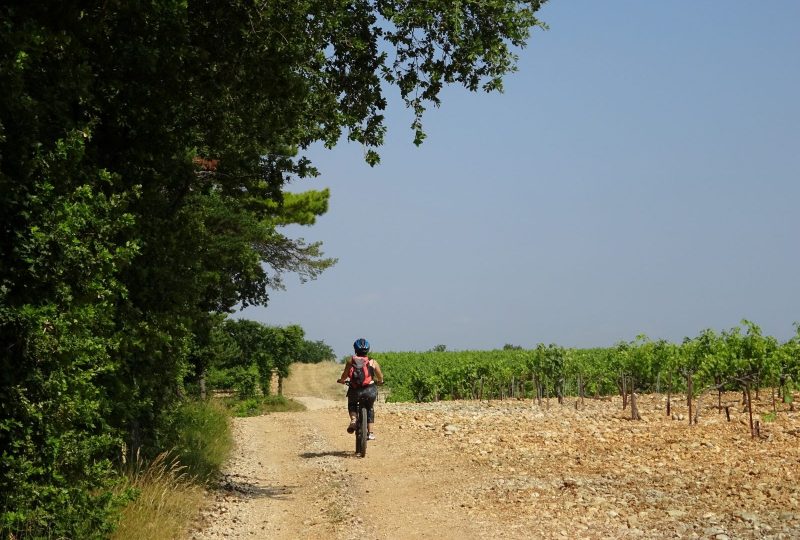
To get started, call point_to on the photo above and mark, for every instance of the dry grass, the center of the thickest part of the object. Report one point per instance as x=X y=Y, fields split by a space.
x=318 y=380
x=167 y=501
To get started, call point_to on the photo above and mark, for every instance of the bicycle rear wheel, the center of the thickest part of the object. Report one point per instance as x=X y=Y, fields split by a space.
x=358 y=438
x=363 y=430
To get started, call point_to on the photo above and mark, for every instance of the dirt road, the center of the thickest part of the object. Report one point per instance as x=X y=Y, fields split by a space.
x=295 y=475
x=503 y=470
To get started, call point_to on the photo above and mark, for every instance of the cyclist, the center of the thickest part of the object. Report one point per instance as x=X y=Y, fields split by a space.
x=366 y=394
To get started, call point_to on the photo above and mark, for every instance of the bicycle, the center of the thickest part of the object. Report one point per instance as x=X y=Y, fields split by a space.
x=362 y=427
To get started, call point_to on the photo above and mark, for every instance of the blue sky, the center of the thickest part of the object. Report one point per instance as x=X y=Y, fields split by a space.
x=640 y=174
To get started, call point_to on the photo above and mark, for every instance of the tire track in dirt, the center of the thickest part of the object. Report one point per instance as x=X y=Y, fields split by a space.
x=295 y=475
x=285 y=480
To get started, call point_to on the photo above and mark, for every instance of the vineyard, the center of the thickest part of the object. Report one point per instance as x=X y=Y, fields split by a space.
x=741 y=359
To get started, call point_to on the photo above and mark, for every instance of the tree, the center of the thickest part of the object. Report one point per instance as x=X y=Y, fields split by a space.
x=59 y=341
x=212 y=346
x=144 y=152
x=286 y=344
x=255 y=341
x=312 y=352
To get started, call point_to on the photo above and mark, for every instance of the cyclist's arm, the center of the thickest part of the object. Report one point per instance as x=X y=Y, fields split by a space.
x=345 y=371
x=378 y=372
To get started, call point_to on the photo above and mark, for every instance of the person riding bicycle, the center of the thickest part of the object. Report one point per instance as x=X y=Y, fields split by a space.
x=365 y=394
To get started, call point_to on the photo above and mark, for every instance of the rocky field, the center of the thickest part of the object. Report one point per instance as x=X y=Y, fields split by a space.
x=594 y=473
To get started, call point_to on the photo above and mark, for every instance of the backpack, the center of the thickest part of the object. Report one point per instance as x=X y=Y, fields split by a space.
x=360 y=372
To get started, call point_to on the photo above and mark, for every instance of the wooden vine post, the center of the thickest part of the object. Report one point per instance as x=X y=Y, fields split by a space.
x=689 y=390
x=624 y=390
x=669 y=395
x=634 y=408
x=749 y=408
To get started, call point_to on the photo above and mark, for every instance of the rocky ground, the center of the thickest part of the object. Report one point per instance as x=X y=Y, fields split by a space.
x=508 y=469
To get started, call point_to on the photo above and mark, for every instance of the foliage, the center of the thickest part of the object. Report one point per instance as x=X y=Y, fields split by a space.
x=710 y=359
x=144 y=153
x=200 y=438
x=787 y=360
x=249 y=406
x=313 y=352
x=254 y=342
x=548 y=365
x=243 y=356
x=59 y=341
x=245 y=381
x=255 y=352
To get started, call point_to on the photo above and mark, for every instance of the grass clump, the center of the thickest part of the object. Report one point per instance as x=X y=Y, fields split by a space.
x=164 y=500
x=166 y=494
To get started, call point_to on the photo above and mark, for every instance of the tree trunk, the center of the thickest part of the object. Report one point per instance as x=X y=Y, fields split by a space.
x=696 y=410
x=624 y=392
x=749 y=408
x=135 y=440
x=669 y=396
x=774 y=407
x=203 y=385
x=533 y=387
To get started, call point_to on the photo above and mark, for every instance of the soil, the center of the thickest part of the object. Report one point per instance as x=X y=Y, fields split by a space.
x=506 y=469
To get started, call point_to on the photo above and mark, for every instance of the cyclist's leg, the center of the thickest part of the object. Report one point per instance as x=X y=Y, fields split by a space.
x=371 y=394
x=352 y=410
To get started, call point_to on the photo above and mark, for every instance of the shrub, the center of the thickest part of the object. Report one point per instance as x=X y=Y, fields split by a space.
x=247 y=407
x=200 y=437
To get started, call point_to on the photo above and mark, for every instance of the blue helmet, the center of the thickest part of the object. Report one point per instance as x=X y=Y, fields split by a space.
x=361 y=346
